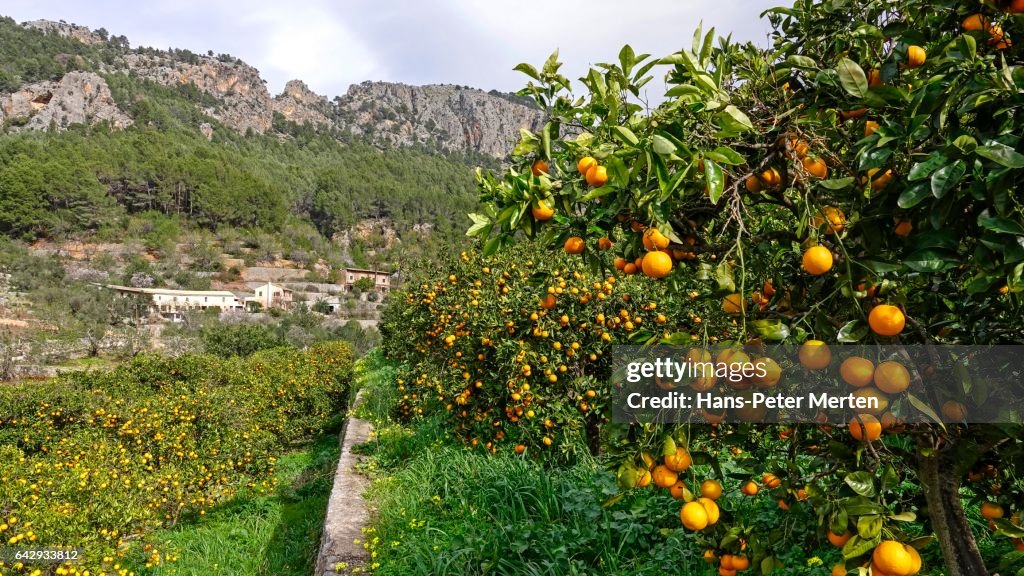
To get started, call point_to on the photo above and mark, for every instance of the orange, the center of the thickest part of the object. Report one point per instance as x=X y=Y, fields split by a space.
x=870 y=127
x=654 y=240
x=771 y=178
x=639 y=262
x=657 y=264
x=916 y=56
x=679 y=461
x=710 y=508
x=597 y=176
x=865 y=427
x=585 y=164
x=796 y=146
x=976 y=22
x=771 y=480
x=817 y=260
x=772 y=373
x=896 y=559
x=539 y=167
x=679 y=491
x=663 y=477
x=753 y=184
x=815 y=355
x=991 y=511
x=520 y=448
x=953 y=410
x=881 y=181
x=693 y=516
x=874 y=78
x=750 y=488
x=783 y=504
x=852 y=114
x=604 y=244
x=541 y=211
x=856 y=371
x=815 y=167
x=904 y=228
x=711 y=489
x=886 y=320
x=643 y=479
x=1016 y=7
x=574 y=245
x=723 y=571
x=889 y=421
x=629 y=268
x=871 y=392
x=839 y=569
x=710 y=556
x=839 y=540
x=620 y=263
x=832 y=217
x=892 y=377
x=740 y=563
x=733 y=304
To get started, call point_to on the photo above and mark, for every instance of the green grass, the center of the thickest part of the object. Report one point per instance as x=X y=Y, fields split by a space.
x=253 y=534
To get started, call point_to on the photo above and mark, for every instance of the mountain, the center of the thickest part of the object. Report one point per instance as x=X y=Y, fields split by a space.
x=441 y=117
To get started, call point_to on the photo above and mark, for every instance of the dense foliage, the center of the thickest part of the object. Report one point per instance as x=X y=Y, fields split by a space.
x=100 y=460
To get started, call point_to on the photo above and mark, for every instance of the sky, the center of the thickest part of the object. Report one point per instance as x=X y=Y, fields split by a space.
x=333 y=44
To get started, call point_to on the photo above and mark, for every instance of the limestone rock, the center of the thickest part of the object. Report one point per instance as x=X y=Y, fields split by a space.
x=77 y=98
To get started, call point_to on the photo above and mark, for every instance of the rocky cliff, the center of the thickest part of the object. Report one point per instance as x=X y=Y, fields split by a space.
x=444 y=117
x=78 y=98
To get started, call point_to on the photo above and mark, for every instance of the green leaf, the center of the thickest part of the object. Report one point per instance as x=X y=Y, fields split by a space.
x=724 y=278
x=861 y=482
x=798 y=61
x=922 y=170
x=931 y=260
x=837 y=183
x=480 y=222
x=662 y=145
x=880 y=267
x=1001 y=154
x=551 y=65
x=1000 y=225
x=869 y=527
x=734 y=120
x=858 y=546
x=528 y=70
x=726 y=155
x=965 y=144
x=913 y=195
x=852 y=78
x=491 y=246
x=1006 y=528
x=908 y=516
x=852 y=331
x=626 y=59
x=925 y=409
x=714 y=179
x=771 y=330
x=946 y=178
x=626 y=135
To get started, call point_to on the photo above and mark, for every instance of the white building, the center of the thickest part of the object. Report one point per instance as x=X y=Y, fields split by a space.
x=269 y=295
x=171 y=304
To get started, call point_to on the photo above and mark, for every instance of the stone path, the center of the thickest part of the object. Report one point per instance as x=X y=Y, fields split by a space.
x=347 y=514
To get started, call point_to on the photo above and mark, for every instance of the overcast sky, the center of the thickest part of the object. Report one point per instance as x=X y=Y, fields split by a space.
x=332 y=44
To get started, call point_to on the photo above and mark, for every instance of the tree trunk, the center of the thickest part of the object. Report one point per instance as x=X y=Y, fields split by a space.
x=941 y=483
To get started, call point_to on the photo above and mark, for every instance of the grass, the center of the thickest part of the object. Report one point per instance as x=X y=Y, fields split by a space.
x=276 y=534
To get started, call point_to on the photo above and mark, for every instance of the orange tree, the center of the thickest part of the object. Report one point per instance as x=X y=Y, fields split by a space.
x=855 y=183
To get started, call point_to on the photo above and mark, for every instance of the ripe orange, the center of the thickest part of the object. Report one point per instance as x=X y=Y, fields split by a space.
x=916 y=56
x=620 y=263
x=711 y=489
x=817 y=260
x=772 y=373
x=574 y=245
x=1016 y=7
x=839 y=540
x=832 y=218
x=750 y=488
x=723 y=571
x=991 y=511
x=548 y=302
x=815 y=167
x=679 y=491
x=520 y=448
x=693 y=516
x=541 y=211
x=771 y=480
x=733 y=304
x=740 y=563
x=771 y=178
x=886 y=320
x=663 y=477
x=839 y=569
x=881 y=181
x=643 y=479
x=753 y=184
x=870 y=392
x=870 y=127
x=539 y=167
x=585 y=164
x=679 y=461
x=711 y=508
x=815 y=355
x=904 y=228
x=896 y=559
x=597 y=176
x=976 y=22
x=865 y=427
x=629 y=268
x=856 y=371
x=604 y=244
x=874 y=78
x=783 y=504
x=657 y=264
x=654 y=240
x=892 y=377
x=953 y=410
